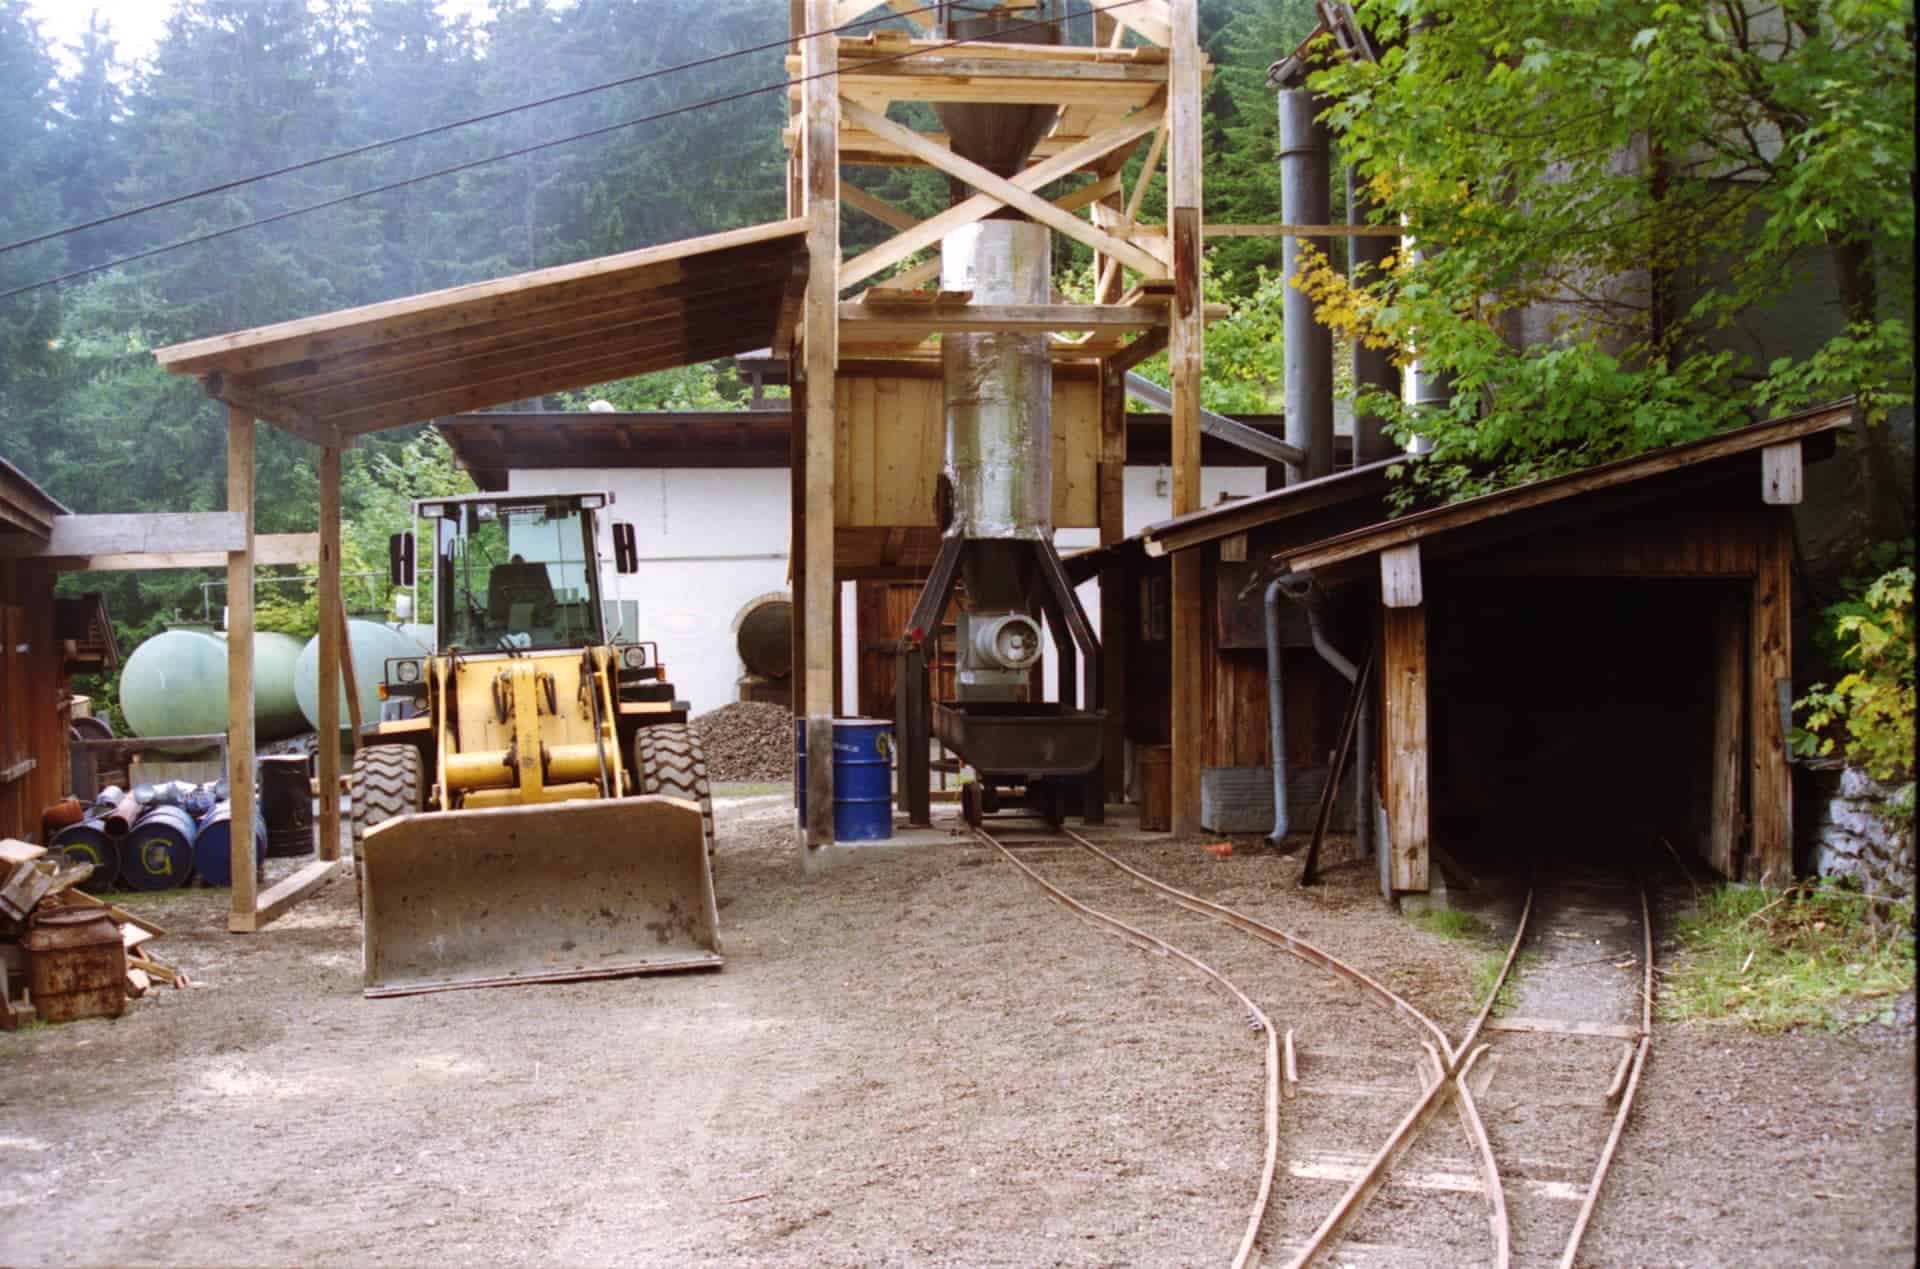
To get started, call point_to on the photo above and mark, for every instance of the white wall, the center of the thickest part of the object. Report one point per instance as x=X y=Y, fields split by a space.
x=712 y=540
x=709 y=542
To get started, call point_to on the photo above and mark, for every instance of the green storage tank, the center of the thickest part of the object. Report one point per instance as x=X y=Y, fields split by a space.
x=175 y=684
x=372 y=643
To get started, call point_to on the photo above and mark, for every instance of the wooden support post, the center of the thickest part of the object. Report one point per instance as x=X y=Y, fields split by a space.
x=1770 y=676
x=820 y=130
x=1186 y=327
x=1114 y=631
x=327 y=683
x=240 y=435
x=1781 y=482
x=1400 y=576
x=1404 y=682
x=1726 y=818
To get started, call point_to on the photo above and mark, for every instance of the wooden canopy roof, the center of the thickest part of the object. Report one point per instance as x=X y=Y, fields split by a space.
x=340 y=375
x=1340 y=520
x=25 y=506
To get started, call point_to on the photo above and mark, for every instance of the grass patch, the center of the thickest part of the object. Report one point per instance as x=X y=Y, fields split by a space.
x=1487 y=969
x=751 y=788
x=1451 y=924
x=1813 y=956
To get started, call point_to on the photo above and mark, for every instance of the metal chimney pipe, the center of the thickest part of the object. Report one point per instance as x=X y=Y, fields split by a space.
x=1372 y=367
x=999 y=386
x=1305 y=199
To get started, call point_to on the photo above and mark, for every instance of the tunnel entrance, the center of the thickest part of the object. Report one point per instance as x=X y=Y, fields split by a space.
x=1572 y=719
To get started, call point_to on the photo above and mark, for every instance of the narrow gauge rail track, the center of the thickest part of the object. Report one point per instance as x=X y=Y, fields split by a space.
x=1449 y=1073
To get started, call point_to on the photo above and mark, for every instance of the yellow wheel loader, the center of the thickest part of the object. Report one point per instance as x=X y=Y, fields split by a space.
x=532 y=806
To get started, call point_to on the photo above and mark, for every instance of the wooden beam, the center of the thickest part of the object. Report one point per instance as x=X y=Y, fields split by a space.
x=929 y=232
x=1400 y=576
x=240 y=764
x=78 y=535
x=1186 y=332
x=1115 y=632
x=1726 y=818
x=869 y=321
x=327 y=680
x=820 y=599
x=1780 y=474
x=1770 y=668
x=268 y=548
x=283 y=894
x=878 y=208
x=1001 y=190
x=1404 y=681
x=1289 y=231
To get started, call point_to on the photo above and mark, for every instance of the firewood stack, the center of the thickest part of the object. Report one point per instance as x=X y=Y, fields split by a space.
x=65 y=955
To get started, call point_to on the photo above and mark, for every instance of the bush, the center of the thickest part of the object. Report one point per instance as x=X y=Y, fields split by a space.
x=1868 y=714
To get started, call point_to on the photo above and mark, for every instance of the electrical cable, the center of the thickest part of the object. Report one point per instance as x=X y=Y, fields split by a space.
x=490 y=115
x=530 y=149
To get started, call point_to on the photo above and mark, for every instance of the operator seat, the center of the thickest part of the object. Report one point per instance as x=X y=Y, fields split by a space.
x=522 y=586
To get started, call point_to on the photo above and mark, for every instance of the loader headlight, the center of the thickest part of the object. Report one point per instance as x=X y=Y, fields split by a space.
x=633 y=657
x=406 y=671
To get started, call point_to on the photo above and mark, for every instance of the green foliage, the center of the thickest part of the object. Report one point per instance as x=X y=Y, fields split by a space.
x=1450 y=923
x=713 y=386
x=1814 y=956
x=1245 y=359
x=1868 y=713
x=1606 y=198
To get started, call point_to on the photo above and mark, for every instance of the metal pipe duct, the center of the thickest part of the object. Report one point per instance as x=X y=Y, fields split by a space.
x=1305 y=199
x=999 y=387
x=998 y=138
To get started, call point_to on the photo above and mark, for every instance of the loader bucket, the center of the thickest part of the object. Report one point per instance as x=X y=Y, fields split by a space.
x=531 y=894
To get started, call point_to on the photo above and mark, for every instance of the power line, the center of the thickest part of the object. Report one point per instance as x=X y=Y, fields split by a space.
x=372 y=146
x=742 y=95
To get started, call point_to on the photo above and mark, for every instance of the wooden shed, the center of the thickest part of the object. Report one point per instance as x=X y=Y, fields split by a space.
x=1585 y=662
x=34 y=669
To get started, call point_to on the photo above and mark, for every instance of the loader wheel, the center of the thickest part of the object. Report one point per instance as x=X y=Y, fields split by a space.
x=671 y=763
x=386 y=782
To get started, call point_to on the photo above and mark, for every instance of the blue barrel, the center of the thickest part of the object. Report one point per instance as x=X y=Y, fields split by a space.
x=213 y=845
x=87 y=843
x=158 y=853
x=862 y=778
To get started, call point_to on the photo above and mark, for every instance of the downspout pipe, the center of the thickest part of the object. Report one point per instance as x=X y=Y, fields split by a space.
x=1302 y=589
x=1276 y=716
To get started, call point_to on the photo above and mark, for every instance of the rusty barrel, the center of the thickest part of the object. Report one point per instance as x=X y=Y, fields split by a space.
x=76 y=964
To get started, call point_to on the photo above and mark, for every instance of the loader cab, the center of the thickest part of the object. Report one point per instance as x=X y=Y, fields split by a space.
x=518 y=573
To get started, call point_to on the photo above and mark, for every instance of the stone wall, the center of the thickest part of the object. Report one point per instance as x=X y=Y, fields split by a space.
x=1860 y=837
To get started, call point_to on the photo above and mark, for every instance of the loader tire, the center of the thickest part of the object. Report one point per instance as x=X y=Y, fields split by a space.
x=386 y=782
x=671 y=763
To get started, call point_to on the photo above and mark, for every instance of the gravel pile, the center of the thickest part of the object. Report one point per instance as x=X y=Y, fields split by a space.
x=748 y=740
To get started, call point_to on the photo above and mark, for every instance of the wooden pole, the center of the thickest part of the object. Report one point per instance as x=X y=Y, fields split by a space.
x=240 y=435
x=1404 y=683
x=1770 y=666
x=327 y=684
x=820 y=130
x=1729 y=734
x=1186 y=324
x=349 y=679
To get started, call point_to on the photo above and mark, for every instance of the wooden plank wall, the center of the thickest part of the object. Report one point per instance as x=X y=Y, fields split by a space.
x=33 y=708
x=890 y=443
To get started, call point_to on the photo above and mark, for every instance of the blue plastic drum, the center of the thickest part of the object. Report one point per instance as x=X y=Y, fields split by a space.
x=87 y=843
x=862 y=778
x=213 y=847
x=158 y=853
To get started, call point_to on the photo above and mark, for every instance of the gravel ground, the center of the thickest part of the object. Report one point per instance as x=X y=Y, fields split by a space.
x=910 y=1058
x=747 y=741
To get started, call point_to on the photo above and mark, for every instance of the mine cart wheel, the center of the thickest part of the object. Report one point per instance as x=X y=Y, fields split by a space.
x=1052 y=796
x=971 y=803
x=385 y=783
x=670 y=762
